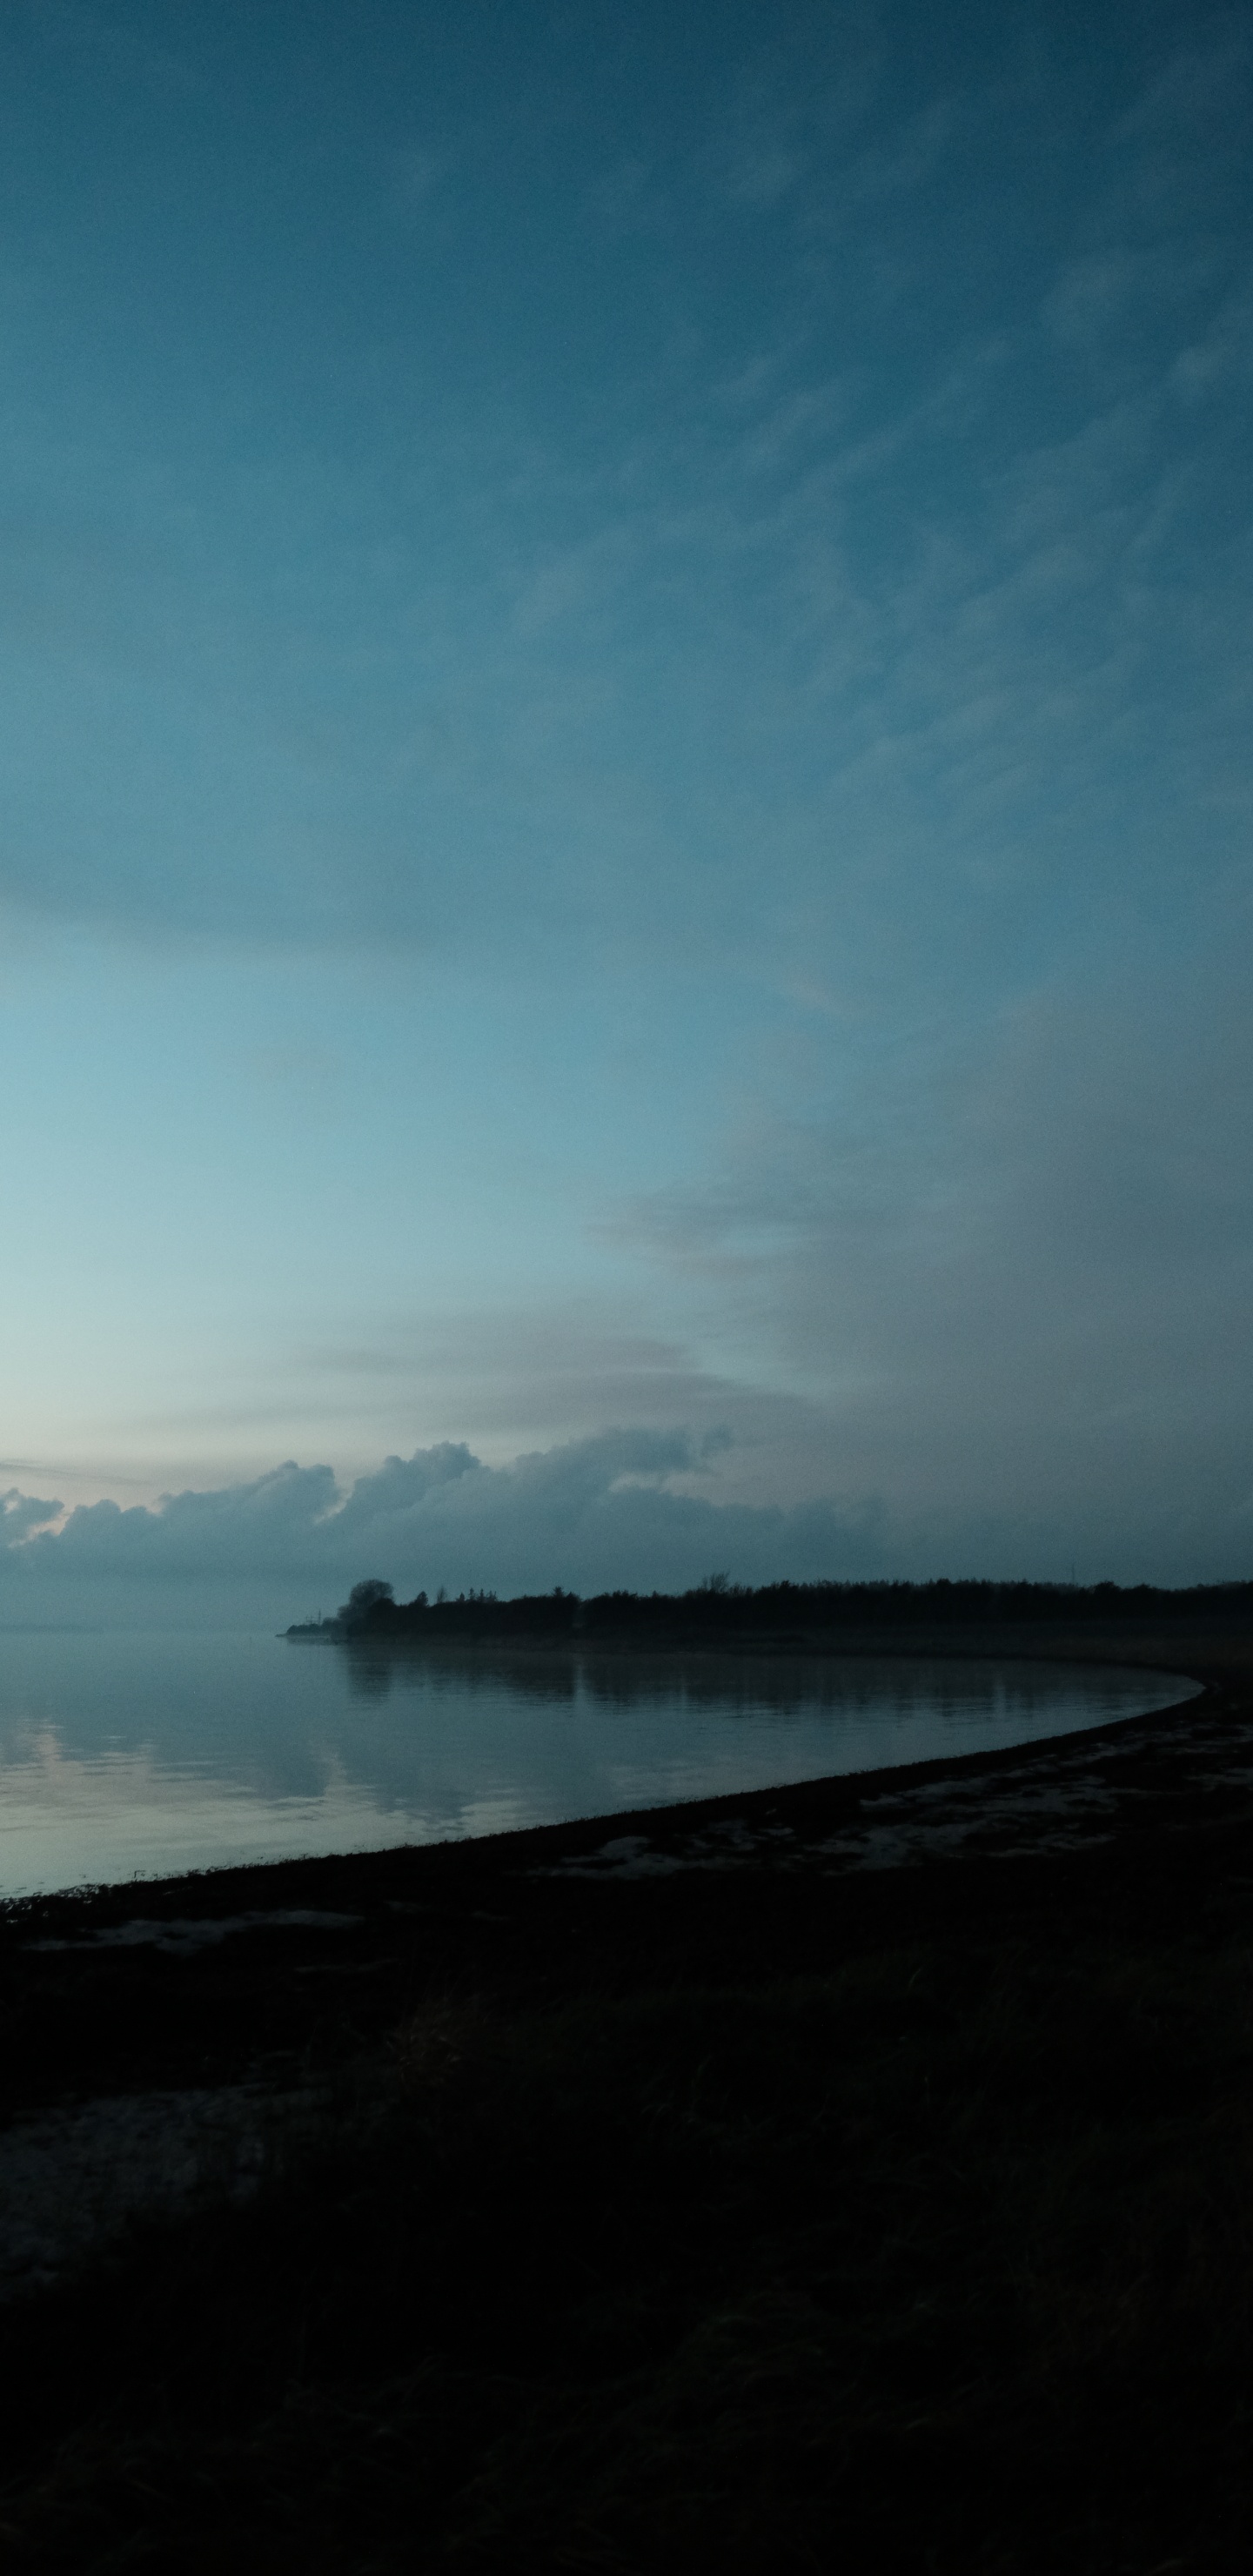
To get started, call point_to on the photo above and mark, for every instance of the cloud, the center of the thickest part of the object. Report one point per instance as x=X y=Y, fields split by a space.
x=1019 y=1264
x=20 y=1514
x=506 y=1375
x=590 y=1514
x=518 y=680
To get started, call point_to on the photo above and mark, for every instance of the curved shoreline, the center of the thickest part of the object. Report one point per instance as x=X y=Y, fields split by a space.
x=997 y=1999
x=1111 y=1779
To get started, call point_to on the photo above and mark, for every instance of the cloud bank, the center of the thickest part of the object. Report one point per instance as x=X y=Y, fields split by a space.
x=590 y=1514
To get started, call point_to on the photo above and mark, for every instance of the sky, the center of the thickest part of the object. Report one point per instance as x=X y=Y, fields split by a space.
x=625 y=766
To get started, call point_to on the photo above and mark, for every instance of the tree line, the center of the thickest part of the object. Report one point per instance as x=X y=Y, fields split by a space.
x=718 y=1607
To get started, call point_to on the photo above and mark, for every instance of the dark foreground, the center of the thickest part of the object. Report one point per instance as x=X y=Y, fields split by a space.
x=854 y=2176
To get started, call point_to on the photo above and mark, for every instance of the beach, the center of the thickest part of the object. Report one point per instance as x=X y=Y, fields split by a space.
x=873 y=2151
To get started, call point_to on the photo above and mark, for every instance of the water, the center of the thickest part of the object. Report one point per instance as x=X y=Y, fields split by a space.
x=161 y=1752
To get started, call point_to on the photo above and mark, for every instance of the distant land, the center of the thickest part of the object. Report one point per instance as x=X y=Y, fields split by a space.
x=717 y=1608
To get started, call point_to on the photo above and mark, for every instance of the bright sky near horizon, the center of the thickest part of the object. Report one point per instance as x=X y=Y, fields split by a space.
x=626 y=761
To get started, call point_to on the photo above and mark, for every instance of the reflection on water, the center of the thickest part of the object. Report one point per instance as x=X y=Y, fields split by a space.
x=159 y=1752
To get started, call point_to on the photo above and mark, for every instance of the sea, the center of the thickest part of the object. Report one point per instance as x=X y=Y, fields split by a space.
x=143 y=1754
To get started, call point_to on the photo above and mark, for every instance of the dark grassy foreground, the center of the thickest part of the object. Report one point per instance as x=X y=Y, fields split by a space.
x=752 y=2222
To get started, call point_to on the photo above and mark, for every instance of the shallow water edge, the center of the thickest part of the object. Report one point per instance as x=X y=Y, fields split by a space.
x=151 y=1755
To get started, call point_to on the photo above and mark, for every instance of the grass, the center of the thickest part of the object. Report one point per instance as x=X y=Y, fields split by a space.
x=912 y=2238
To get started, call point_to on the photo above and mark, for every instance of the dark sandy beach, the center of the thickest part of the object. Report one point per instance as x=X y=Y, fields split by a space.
x=869 y=2154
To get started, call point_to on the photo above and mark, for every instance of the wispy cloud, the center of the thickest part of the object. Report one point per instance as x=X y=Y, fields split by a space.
x=1025 y=1279
x=650 y=620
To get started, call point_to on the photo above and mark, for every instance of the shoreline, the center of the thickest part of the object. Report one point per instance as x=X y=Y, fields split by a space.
x=1220 y=1668
x=1158 y=1748
x=873 y=2153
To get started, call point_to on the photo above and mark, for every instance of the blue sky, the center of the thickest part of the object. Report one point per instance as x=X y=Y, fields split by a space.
x=625 y=765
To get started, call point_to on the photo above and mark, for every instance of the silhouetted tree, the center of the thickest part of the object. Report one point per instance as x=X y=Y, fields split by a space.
x=363 y=1598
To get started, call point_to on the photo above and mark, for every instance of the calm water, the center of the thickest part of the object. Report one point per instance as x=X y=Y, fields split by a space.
x=160 y=1752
